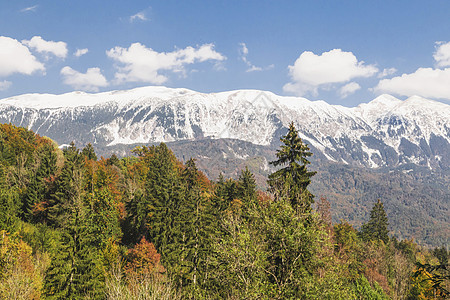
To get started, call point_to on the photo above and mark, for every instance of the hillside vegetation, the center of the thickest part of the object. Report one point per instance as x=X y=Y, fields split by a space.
x=416 y=199
x=146 y=226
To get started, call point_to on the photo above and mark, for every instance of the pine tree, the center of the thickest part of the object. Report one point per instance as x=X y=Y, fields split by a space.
x=247 y=185
x=192 y=226
x=199 y=223
x=113 y=160
x=291 y=181
x=38 y=189
x=160 y=208
x=75 y=271
x=68 y=186
x=219 y=201
x=89 y=152
x=377 y=227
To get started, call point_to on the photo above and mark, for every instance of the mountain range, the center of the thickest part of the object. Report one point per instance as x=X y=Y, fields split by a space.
x=408 y=140
x=384 y=132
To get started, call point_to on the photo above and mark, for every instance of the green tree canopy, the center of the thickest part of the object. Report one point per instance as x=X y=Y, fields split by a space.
x=291 y=181
x=377 y=227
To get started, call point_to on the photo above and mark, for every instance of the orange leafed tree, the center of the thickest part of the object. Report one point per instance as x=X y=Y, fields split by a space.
x=144 y=260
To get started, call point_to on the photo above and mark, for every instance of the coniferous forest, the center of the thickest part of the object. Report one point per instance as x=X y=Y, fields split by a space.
x=147 y=226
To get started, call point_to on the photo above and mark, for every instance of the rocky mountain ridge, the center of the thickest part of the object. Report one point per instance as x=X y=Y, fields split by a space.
x=386 y=132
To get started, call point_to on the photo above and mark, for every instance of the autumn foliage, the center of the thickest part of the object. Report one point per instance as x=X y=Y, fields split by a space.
x=148 y=226
x=144 y=260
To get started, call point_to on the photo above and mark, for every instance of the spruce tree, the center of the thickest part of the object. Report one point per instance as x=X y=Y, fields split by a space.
x=377 y=227
x=68 y=186
x=113 y=160
x=247 y=185
x=218 y=201
x=89 y=152
x=291 y=181
x=160 y=208
x=38 y=189
x=195 y=227
x=74 y=271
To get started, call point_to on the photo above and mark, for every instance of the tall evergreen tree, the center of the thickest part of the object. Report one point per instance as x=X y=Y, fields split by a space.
x=160 y=208
x=377 y=227
x=195 y=221
x=218 y=200
x=68 y=187
x=291 y=181
x=38 y=189
x=247 y=185
x=89 y=152
x=74 y=271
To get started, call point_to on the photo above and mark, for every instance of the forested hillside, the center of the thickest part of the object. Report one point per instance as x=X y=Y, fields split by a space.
x=146 y=226
x=416 y=199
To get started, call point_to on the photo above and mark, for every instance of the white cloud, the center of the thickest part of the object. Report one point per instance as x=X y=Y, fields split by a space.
x=219 y=66
x=37 y=43
x=253 y=68
x=425 y=82
x=349 y=89
x=442 y=54
x=16 y=58
x=30 y=8
x=243 y=51
x=311 y=72
x=89 y=81
x=387 y=72
x=4 y=85
x=81 y=52
x=142 y=64
x=140 y=16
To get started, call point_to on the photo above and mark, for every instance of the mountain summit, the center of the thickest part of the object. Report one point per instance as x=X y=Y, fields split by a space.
x=384 y=132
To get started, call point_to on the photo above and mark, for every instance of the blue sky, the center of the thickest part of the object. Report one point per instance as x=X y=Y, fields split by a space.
x=344 y=52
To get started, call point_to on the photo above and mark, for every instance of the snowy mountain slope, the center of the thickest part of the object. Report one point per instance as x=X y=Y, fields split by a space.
x=384 y=132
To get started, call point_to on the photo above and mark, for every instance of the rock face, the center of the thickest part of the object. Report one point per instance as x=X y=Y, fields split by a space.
x=386 y=132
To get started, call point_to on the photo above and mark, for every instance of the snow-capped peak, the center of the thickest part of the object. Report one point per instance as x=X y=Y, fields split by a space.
x=80 y=99
x=367 y=133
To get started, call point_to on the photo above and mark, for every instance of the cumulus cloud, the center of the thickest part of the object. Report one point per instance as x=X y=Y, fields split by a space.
x=89 y=81
x=387 y=72
x=59 y=49
x=140 y=16
x=349 y=89
x=311 y=72
x=426 y=82
x=141 y=64
x=30 y=8
x=16 y=58
x=4 y=85
x=81 y=52
x=442 y=54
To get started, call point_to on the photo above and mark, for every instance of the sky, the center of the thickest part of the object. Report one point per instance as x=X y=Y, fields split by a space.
x=343 y=52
